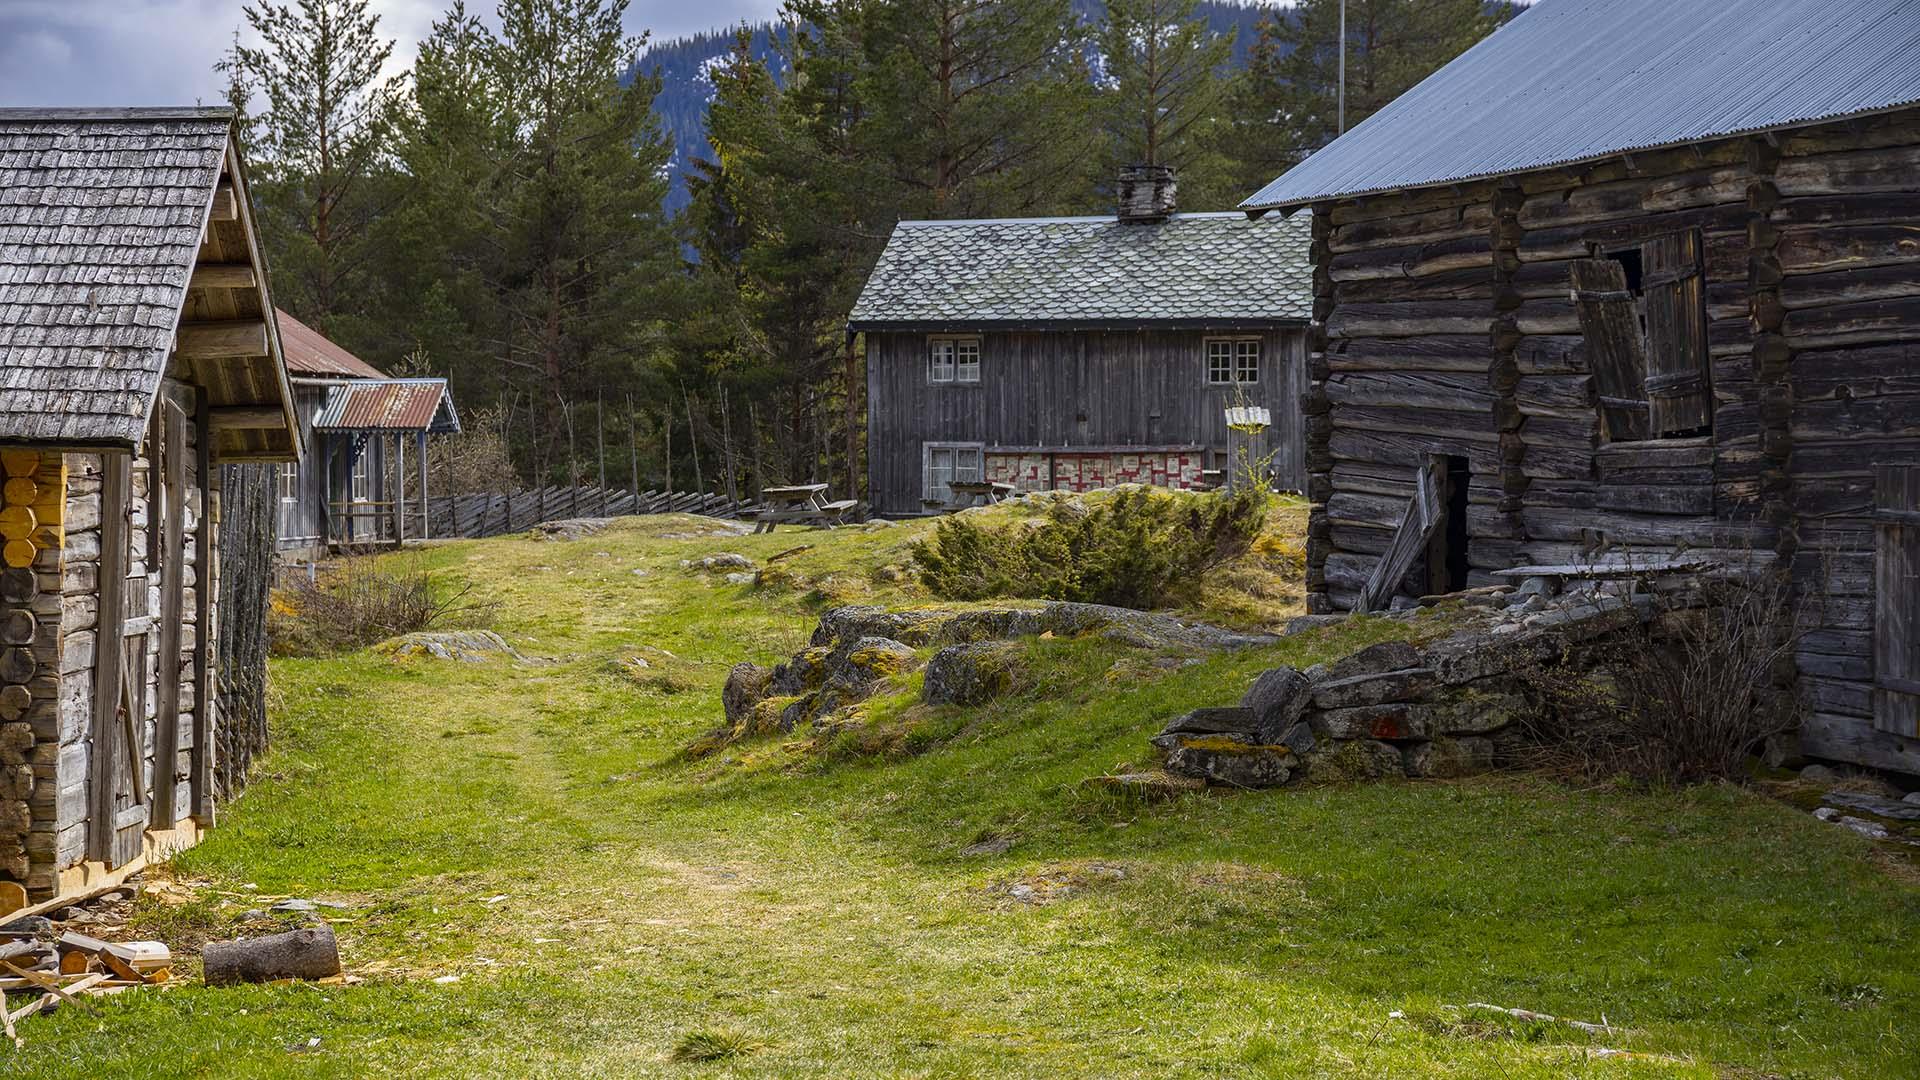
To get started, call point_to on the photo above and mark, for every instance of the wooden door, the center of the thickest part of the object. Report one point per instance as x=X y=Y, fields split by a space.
x=169 y=477
x=1610 y=323
x=1679 y=390
x=117 y=809
x=1896 y=600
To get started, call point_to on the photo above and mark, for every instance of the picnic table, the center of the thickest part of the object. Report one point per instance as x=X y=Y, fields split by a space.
x=979 y=492
x=801 y=504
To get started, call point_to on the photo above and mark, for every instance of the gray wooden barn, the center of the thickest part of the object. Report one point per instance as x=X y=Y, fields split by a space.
x=360 y=484
x=138 y=351
x=1638 y=276
x=1077 y=353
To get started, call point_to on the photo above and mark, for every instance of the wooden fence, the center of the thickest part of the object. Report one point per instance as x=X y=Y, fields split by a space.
x=495 y=513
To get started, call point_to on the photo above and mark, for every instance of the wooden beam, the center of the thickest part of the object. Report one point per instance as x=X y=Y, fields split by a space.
x=213 y=340
x=224 y=206
x=223 y=276
x=247 y=417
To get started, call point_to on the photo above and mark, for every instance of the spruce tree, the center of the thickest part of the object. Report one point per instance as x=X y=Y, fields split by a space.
x=1166 y=91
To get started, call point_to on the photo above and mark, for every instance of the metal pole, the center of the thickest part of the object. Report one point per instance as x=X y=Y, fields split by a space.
x=1343 y=69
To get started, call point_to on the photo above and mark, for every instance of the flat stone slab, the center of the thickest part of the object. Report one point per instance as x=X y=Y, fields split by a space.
x=1212 y=721
x=1408 y=685
x=1394 y=720
x=1894 y=809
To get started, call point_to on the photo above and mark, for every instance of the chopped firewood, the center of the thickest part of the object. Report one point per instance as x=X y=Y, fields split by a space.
x=78 y=963
x=145 y=956
x=311 y=953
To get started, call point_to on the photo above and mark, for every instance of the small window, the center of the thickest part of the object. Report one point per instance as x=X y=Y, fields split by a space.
x=953 y=360
x=1643 y=314
x=289 y=482
x=947 y=463
x=1233 y=360
x=359 y=488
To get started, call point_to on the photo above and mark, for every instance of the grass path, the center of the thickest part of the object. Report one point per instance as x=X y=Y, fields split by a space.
x=824 y=915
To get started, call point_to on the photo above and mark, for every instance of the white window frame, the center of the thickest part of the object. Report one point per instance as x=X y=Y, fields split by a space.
x=360 y=478
x=289 y=480
x=1237 y=358
x=953 y=359
x=966 y=461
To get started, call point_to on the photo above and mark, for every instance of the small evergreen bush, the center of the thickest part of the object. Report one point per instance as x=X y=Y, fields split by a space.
x=1143 y=548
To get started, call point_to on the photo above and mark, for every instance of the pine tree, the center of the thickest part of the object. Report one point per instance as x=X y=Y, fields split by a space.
x=978 y=107
x=1289 y=106
x=320 y=146
x=1167 y=90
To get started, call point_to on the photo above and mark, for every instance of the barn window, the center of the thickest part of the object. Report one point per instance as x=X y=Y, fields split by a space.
x=947 y=463
x=953 y=359
x=1643 y=314
x=289 y=482
x=1233 y=360
x=359 y=482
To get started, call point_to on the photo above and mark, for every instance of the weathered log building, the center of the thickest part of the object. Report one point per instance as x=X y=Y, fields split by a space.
x=138 y=352
x=353 y=488
x=1077 y=353
x=1640 y=276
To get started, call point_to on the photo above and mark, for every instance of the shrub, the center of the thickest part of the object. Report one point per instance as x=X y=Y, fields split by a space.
x=1141 y=549
x=1683 y=699
x=361 y=600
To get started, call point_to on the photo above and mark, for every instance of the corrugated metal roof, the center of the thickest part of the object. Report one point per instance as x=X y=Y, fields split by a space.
x=309 y=353
x=1191 y=268
x=389 y=405
x=1576 y=80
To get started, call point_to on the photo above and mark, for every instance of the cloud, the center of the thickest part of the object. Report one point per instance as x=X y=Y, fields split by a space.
x=162 y=52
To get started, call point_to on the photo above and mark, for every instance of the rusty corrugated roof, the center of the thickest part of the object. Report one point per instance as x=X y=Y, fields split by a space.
x=389 y=405
x=309 y=353
x=1571 y=81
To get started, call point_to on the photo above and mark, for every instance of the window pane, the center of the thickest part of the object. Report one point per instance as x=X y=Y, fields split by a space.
x=940 y=361
x=1247 y=362
x=967 y=465
x=968 y=361
x=1219 y=361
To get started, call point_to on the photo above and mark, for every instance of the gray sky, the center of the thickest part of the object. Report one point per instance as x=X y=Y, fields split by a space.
x=161 y=52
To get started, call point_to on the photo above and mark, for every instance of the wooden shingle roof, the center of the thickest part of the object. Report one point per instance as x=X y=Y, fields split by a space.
x=106 y=235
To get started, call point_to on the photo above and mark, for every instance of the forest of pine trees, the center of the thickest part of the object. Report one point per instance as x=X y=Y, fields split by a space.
x=498 y=214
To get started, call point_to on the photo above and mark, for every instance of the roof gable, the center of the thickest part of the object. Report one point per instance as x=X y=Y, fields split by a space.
x=1194 y=269
x=1571 y=81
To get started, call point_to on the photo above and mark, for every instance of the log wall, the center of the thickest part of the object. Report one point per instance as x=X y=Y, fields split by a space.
x=1444 y=325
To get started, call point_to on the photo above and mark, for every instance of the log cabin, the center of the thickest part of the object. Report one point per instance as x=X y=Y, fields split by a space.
x=1633 y=276
x=138 y=353
x=353 y=489
x=1077 y=353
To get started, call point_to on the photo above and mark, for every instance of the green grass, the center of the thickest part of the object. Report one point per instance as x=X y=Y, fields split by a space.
x=775 y=911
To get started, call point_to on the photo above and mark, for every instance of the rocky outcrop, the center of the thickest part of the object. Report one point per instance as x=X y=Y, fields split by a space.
x=471 y=646
x=1447 y=708
x=971 y=674
x=944 y=626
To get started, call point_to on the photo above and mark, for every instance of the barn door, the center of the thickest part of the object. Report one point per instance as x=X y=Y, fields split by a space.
x=1896 y=600
x=1679 y=391
x=1610 y=322
x=117 y=811
x=1425 y=513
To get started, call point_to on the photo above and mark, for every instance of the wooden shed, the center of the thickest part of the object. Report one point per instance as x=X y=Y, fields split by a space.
x=138 y=351
x=353 y=489
x=1077 y=353
x=1638 y=276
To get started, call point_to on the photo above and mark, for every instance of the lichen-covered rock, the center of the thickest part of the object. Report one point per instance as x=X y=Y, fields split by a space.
x=970 y=674
x=1376 y=659
x=1145 y=786
x=1355 y=759
x=1225 y=759
x=725 y=560
x=1276 y=699
x=747 y=685
x=1470 y=710
x=1445 y=758
x=470 y=646
x=1212 y=721
x=806 y=671
x=855 y=667
x=1392 y=720
x=937 y=626
x=1408 y=685
x=569 y=528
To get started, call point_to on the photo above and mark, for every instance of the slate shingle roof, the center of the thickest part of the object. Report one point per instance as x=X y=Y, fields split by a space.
x=1193 y=269
x=100 y=220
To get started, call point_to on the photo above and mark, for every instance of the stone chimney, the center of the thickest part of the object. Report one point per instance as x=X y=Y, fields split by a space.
x=1146 y=194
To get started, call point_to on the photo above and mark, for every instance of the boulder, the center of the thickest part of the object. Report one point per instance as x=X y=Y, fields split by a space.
x=1354 y=759
x=1211 y=721
x=1445 y=758
x=1876 y=805
x=970 y=674
x=569 y=528
x=1224 y=759
x=746 y=686
x=725 y=560
x=470 y=646
x=1276 y=699
x=1407 y=685
x=1470 y=710
x=1300 y=624
x=1819 y=774
x=804 y=672
x=857 y=667
x=1392 y=720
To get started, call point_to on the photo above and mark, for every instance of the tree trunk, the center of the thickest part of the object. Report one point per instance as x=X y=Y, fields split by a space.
x=311 y=953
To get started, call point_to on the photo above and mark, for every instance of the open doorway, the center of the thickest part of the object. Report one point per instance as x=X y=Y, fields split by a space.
x=1447 y=562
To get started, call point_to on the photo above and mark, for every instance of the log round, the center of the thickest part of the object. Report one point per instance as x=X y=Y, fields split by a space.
x=16 y=627
x=17 y=585
x=16 y=665
x=311 y=953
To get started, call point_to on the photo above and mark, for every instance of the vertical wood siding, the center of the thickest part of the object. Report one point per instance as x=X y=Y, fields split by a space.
x=1065 y=389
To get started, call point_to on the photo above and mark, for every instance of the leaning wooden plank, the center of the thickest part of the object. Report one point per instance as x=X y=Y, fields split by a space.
x=6 y=1020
